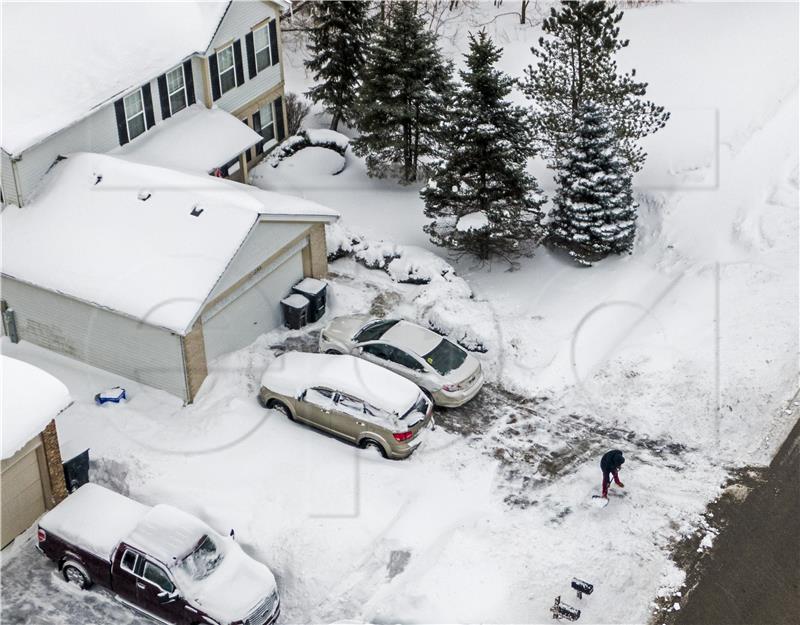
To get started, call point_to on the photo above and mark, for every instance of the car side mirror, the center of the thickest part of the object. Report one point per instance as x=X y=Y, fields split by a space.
x=233 y=534
x=302 y=395
x=167 y=597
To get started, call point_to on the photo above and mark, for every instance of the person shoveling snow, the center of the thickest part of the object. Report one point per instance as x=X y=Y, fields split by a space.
x=611 y=463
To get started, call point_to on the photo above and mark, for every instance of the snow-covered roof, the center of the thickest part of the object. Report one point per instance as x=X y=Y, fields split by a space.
x=94 y=518
x=295 y=372
x=167 y=533
x=61 y=60
x=196 y=139
x=30 y=399
x=144 y=241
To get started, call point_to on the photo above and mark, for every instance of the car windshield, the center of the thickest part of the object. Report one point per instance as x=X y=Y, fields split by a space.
x=202 y=561
x=445 y=357
x=374 y=330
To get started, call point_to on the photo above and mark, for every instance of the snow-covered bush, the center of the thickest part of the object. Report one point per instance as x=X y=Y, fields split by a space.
x=377 y=254
x=340 y=242
x=448 y=307
x=310 y=137
x=417 y=266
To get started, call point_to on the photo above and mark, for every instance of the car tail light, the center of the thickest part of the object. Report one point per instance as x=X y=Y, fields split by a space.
x=41 y=535
x=403 y=436
x=450 y=387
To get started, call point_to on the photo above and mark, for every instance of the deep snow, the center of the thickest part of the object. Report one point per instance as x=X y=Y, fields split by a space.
x=681 y=354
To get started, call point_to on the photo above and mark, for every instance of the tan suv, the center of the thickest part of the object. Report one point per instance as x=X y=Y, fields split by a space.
x=350 y=398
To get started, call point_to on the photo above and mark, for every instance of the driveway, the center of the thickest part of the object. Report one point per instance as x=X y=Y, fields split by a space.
x=34 y=593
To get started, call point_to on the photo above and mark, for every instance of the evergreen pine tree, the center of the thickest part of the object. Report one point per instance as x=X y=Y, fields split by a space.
x=576 y=63
x=404 y=96
x=594 y=213
x=480 y=197
x=338 y=48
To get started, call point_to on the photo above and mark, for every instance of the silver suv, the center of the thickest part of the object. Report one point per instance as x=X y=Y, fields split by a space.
x=448 y=374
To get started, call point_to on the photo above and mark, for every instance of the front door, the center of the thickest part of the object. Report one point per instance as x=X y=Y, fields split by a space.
x=156 y=593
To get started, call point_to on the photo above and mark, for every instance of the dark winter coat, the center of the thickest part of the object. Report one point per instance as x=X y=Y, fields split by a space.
x=612 y=461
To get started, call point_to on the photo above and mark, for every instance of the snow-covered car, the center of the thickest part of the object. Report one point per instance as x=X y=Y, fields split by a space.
x=159 y=560
x=449 y=374
x=349 y=398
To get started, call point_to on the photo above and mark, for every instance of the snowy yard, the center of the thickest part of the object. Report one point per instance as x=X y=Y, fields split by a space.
x=683 y=355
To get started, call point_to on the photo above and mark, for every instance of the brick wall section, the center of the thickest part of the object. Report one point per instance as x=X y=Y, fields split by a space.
x=194 y=354
x=55 y=468
x=318 y=251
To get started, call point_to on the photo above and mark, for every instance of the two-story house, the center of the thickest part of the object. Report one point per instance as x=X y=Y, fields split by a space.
x=101 y=77
x=118 y=247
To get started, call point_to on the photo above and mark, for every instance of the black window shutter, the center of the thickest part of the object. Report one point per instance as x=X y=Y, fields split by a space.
x=148 y=106
x=257 y=128
x=251 y=55
x=212 y=66
x=279 y=118
x=122 y=127
x=273 y=41
x=237 y=58
x=188 y=78
x=163 y=96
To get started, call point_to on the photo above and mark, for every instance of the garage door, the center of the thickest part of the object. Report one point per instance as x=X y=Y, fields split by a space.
x=254 y=310
x=23 y=499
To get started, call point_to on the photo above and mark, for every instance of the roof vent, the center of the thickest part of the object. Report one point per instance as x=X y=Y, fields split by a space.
x=196 y=212
x=144 y=195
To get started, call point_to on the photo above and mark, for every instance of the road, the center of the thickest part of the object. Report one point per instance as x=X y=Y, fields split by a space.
x=753 y=576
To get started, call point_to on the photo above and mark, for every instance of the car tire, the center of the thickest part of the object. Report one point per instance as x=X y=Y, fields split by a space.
x=75 y=575
x=262 y=403
x=280 y=407
x=333 y=352
x=373 y=446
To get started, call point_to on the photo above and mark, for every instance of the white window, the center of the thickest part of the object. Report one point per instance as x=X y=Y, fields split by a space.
x=134 y=114
x=261 y=45
x=226 y=69
x=267 y=122
x=176 y=88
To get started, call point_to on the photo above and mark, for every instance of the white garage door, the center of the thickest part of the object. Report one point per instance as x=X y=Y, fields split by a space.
x=255 y=311
x=22 y=493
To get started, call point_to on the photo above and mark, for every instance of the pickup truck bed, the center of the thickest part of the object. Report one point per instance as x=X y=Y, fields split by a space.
x=94 y=519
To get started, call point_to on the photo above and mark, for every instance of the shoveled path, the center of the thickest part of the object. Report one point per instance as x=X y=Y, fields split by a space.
x=753 y=576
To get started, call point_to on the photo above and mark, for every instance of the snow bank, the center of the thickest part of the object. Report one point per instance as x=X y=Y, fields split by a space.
x=31 y=398
x=94 y=518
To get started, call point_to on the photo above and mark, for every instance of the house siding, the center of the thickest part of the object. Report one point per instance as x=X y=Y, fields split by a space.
x=266 y=239
x=95 y=133
x=238 y=21
x=102 y=338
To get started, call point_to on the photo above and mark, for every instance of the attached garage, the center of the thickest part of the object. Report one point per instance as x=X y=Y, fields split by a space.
x=31 y=478
x=159 y=274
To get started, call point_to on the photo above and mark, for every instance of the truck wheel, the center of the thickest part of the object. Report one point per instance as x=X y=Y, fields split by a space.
x=74 y=575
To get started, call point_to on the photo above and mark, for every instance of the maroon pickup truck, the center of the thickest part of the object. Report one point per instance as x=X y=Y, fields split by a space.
x=159 y=560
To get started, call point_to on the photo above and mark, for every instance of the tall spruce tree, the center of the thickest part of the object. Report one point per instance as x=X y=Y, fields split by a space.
x=594 y=213
x=576 y=63
x=338 y=49
x=404 y=96
x=480 y=197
